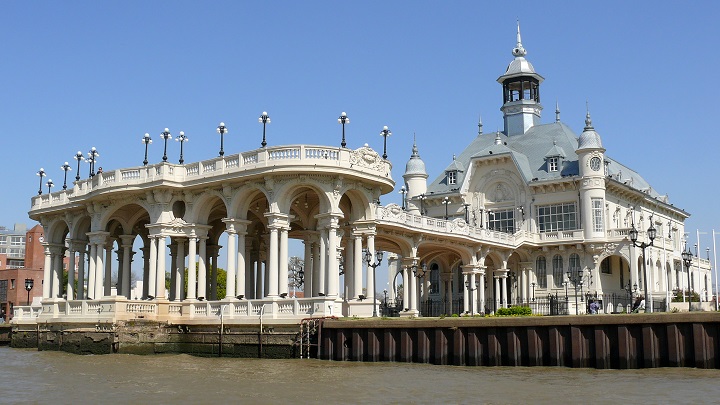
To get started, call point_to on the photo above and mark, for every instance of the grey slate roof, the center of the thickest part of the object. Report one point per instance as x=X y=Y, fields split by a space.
x=528 y=151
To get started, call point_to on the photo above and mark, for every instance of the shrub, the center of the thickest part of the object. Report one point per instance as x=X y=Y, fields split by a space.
x=514 y=311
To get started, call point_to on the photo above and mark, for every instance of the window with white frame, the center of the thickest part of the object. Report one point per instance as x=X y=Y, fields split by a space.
x=502 y=220
x=17 y=240
x=553 y=164
x=558 y=276
x=541 y=271
x=597 y=215
x=557 y=217
x=3 y=239
x=451 y=177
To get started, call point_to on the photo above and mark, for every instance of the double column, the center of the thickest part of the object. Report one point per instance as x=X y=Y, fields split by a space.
x=236 y=267
x=277 y=255
x=98 y=274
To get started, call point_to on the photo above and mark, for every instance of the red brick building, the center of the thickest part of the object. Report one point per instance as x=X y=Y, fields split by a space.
x=12 y=280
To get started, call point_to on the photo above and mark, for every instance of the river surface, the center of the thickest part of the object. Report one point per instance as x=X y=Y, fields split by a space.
x=32 y=377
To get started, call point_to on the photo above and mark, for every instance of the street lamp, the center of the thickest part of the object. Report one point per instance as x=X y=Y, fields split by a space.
x=49 y=185
x=66 y=168
x=222 y=130
x=687 y=260
x=29 y=283
x=404 y=193
x=147 y=141
x=165 y=135
x=385 y=133
x=79 y=157
x=40 y=173
x=378 y=260
x=343 y=120
x=467 y=213
x=445 y=202
x=91 y=158
x=651 y=233
x=533 y=290
x=422 y=197
x=182 y=139
x=264 y=119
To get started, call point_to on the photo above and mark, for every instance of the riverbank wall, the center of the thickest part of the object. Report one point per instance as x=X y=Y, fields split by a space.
x=590 y=341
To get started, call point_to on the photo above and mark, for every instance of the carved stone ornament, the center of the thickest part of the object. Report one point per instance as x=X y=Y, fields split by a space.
x=458 y=224
x=366 y=157
x=391 y=211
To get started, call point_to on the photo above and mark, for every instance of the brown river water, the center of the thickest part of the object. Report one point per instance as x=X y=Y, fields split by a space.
x=32 y=377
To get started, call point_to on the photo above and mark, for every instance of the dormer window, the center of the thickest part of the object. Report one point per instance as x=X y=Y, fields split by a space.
x=451 y=177
x=553 y=164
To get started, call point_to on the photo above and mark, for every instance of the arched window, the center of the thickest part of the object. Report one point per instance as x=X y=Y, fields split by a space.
x=558 y=271
x=541 y=272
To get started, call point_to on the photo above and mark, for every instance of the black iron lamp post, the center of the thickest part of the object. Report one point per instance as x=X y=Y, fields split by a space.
x=467 y=213
x=422 y=197
x=29 y=283
x=446 y=202
x=404 y=201
x=91 y=158
x=79 y=157
x=264 y=119
x=66 y=168
x=147 y=141
x=165 y=135
x=687 y=260
x=343 y=120
x=49 y=185
x=222 y=130
x=40 y=173
x=420 y=272
x=651 y=233
x=182 y=139
x=533 y=290
x=385 y=133
x=369 y=261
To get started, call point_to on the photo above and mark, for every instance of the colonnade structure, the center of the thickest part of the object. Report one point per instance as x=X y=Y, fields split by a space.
x=527 y=212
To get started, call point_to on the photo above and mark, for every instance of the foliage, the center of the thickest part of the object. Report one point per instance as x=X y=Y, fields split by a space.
x=514 y=311
x=678 y=296
x=221 y=282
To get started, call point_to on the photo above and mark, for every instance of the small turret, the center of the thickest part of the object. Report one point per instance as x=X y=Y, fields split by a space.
x=415 y=179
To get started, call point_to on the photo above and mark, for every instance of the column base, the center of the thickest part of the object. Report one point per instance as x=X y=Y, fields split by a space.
x=410 y=313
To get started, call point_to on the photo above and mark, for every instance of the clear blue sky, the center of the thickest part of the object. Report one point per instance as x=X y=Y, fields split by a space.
x=82 y=74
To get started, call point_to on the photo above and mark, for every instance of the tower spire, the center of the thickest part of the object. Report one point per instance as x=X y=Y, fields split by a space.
x=519 y=51
x=480 y=125
x=557 y=111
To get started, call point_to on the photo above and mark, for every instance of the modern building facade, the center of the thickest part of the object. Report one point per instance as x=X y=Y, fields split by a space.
x=523 y=213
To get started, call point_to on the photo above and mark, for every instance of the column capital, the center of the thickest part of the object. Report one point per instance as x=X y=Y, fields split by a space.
x=238 y=226
x=277 y=220
x=98 y=237
x=78 y=245
x=127 y=240
x=329 y=220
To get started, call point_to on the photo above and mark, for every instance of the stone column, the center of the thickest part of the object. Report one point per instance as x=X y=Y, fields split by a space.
x=232 y=255
x=370 y=287
x=146 y=271
x=308 y=262
x=503 y=283
x=481 y=287
x=358 y=266
x=214 y=270
x=161 y=268
x=316 y=273
x=348 y=265
x=496 y=292
x=127 y=241
x=180 y=269
x=192 y=268
x=250 y=280
x=81 y=271
x=202 y=271
x=70 y=287
x=240 y=266
x=333 y=269
x=320 y=277
x=272 y=279
x=406 y=292
x=92 y=271
x=151 y=280
x=412 y=293
x=173 y=269
x=449 y=294
x=466 y=295
x=57 y=268
x=107 y=282
x=99 y=271
x=283 y=265
x=473 y=295
x=47 y=272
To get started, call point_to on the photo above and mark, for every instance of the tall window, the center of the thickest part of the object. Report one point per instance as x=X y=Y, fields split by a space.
x=597 y=215
x=502 y=220
x=557 y=217
x=541 y=272
x=574 y=265
x=553 y=164
x=434 y=279
x=452 y=177
x=605 y=266
x=558 y=271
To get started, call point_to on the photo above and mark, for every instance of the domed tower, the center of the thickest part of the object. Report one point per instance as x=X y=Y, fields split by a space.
x=415 y=180
x=591 y=162
x=521 y=92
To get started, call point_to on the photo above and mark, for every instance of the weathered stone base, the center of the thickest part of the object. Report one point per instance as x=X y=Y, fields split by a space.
x=152 y=338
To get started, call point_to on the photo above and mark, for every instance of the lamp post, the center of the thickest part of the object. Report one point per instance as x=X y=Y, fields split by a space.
x=343 y=120
x=66 y=168
x=165 y=135
x=222 y=130
x=467 y=213
x=533 y=290
x=378 y=260
x=385 y=133
x=687 y=260
x=49 y=185
x=264 y=119
x=422 y=197
x=404 y=193
x=79 y=157
x=91 y=158
x=446 y=202
x=651 y=233
x=182 y=139
x=29 y=283
x=420 y=272
x=40 y=173
x=147 y=141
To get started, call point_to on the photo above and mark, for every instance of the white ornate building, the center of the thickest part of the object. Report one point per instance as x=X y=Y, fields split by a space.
x=522 y=213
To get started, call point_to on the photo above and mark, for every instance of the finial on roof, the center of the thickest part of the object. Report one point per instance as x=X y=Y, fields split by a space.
x=497 y=138
x=414 y=148
x=519 y=51
x=557 y=111
x=479 y=125
x=453 y=156
x=588 y=120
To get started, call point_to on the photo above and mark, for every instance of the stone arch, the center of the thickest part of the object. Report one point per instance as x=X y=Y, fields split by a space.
x=56 y=231
x=283 y=197
x=202 y=206
x=125 y=212
x=244 y=198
